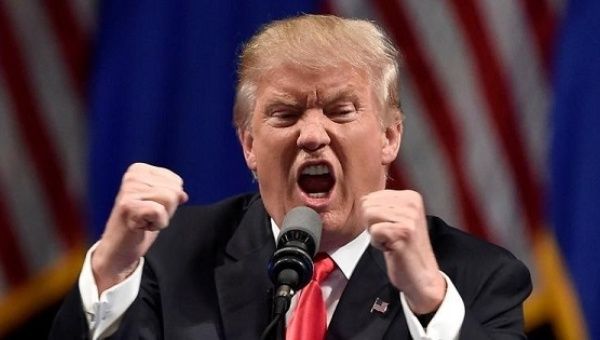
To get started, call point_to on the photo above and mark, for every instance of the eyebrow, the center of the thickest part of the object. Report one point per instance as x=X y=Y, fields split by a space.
x=285 y=98
x=343 y=94
x=276 y=102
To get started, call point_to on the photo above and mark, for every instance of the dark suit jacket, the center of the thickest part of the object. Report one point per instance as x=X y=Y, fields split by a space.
x=205 y=278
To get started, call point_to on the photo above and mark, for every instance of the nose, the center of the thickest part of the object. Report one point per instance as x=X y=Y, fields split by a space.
x=313 y=133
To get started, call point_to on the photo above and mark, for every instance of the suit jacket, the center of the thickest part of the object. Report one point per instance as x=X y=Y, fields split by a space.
x=205 y=278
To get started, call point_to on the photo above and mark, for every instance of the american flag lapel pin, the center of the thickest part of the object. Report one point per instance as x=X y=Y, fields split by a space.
x=380 y=306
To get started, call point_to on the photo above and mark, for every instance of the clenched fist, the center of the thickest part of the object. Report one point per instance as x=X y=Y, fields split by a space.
x=146 y=201
x=398 y=227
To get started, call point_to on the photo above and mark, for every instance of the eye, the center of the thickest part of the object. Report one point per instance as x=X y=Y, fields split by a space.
x=342 y=113
x=283 y=116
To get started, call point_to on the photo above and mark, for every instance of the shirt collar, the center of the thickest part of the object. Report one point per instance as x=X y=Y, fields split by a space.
x=345 y=257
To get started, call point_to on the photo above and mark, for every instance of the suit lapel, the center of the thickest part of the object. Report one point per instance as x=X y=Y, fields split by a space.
x=242 y=281
x=353 y=318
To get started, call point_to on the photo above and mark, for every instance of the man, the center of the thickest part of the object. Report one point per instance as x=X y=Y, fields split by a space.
x=318 y=118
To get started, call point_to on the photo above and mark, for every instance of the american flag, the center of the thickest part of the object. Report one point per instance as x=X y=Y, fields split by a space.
x=44 y=47
x=379 y=306
x=475 y=90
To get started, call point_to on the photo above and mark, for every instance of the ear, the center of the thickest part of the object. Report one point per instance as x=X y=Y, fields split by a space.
x=247 y=142
x=391 y=142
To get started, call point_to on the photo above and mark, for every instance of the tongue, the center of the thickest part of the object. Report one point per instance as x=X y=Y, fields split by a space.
x=315 y=183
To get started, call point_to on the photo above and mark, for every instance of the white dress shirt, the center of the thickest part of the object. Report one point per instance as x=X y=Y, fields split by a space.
x=104 y=313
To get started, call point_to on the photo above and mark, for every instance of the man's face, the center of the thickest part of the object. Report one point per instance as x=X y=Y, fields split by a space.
x=316 y=139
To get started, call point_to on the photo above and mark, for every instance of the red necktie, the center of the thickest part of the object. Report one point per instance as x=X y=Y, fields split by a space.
x=309 y=320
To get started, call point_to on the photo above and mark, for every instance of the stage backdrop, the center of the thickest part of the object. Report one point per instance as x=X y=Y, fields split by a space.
x=494 y=93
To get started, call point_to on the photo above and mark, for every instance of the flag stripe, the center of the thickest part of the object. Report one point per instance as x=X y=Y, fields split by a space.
x=84 y=12
x=500 y=105
x=510 y=30
x=72 y=41
x=395 y=18
x=60 y=106
x=40 y=147
x=35 y=233
x=543 y=24
x=11 y=258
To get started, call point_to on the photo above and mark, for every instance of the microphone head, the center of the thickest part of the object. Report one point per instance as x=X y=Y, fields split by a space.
x=297 y=244
x=302 y=228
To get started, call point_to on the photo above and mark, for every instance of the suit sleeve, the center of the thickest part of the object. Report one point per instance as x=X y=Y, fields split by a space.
x=70 y=322
x=496 y=309
x=142 y=320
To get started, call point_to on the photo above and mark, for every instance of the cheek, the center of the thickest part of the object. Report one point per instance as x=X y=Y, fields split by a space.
x=274 y=153
x=367 y=147
x=364 y=165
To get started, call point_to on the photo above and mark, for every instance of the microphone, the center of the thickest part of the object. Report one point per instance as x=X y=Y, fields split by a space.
x=291 y=266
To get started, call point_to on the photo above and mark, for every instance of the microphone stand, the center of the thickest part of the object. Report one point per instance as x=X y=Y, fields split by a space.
x=281 y=303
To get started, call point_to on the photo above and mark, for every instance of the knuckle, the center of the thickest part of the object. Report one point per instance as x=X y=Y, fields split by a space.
x=415 y=198
x=124 y=205
x=154 y=212
x=129 y=177
x=177 y=179
x=167 y=195
x=160 y=171
x=137 y=166
x=172 y=201
x=377 y=234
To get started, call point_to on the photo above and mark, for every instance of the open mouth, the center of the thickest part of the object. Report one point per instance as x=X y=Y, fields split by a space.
x=316 y=180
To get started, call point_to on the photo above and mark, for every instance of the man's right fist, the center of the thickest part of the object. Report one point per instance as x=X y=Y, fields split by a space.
x=147 y=199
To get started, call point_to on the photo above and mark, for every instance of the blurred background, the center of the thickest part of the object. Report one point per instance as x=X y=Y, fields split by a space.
x=502 y=100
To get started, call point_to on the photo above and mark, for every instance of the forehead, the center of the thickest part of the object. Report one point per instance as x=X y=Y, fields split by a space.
x=292 y=83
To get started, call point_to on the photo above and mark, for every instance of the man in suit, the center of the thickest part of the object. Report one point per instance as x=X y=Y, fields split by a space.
x=318 y=118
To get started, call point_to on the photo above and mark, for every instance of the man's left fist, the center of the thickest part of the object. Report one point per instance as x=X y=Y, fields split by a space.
x=398 y=227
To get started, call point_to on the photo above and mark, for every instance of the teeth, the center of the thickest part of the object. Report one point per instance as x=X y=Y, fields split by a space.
x=317 y=194
x=315 y=170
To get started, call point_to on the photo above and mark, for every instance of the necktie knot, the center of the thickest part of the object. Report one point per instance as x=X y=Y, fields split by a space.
x=324 y=265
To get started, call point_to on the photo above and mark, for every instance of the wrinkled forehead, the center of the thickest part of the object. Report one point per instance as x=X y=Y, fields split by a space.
x=294 y=83
x=307 y=66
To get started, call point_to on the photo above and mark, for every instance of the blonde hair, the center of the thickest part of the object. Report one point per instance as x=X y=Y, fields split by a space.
x=317 y=42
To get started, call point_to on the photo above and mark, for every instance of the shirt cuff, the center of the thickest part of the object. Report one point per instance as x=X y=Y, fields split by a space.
x=447 y=321
x=104 y=313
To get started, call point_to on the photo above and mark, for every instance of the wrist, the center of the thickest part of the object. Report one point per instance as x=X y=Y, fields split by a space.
x=109 y=270
x=428 y=298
